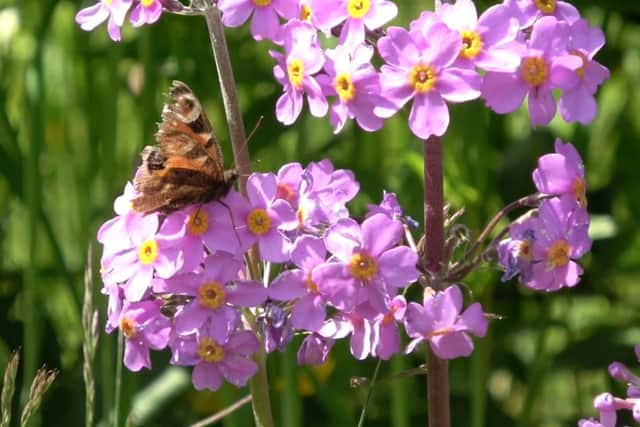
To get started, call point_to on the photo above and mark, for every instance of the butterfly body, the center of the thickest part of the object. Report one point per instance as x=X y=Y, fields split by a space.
x=186 y=166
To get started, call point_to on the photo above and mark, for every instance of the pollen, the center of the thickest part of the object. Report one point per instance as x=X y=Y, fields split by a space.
x=296 y=73
x=198 y=222
x=311 y=285
x=147 y=3
x=548 y=7
x=210 y=351
x=107 y=2
x=211 y=295
x=579 y=190
x=471 y=44
x=344 y=87
x=258 y=221
x=128 y=327
x=534 y=71
x=305 y=13
x=148 y=252
x=422 y=78
x=262 y=3
x=363 y=266
x=358 y=8
x=558 y=254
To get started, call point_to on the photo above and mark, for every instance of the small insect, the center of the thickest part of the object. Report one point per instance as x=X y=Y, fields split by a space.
x=186 y=167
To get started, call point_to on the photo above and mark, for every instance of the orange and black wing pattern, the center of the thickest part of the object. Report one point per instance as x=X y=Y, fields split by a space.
x=186 y=166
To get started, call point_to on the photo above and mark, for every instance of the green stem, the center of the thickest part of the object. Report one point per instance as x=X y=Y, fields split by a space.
x=118 y=382
x=259 y=386
x=372 y=386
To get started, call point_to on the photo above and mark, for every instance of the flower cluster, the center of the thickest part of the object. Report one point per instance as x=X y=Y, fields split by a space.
x=544 y=245
x=515 y=49
x=179 y=280
x=607 y=405
x=512 y=50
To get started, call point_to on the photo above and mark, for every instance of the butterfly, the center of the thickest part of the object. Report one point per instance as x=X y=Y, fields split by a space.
x=186 y=166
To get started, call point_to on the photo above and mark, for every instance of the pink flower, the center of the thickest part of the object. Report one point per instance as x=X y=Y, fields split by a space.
x=355 y=82
x=441 y=321
x=144 y=328
x=146 y=12
x=577 y=103
x=113 y=10
x=358 y=14
x=265 y=23
x=418 y=67
x=488 y=42
x=545 y=65
x=562 y=173
x=295 y=71
x=528 y=11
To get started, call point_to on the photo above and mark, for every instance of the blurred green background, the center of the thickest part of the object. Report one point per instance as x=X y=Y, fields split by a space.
x=76 y=109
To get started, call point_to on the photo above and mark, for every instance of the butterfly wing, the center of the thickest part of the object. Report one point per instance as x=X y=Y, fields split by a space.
x=186 y=166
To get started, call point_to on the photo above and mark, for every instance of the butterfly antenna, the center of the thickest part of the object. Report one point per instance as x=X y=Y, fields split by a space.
x=249 y=138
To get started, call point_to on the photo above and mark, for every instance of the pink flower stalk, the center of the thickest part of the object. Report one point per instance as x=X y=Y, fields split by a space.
x=488 y=42
x=577 y=103
x=146 y=12
x=295 y=71
x=528 y=11
x=357 y=16
x=112 y=10
x=562 y=173
x=355 y=82
x=545 y=65
x=441 y=321
x=418 y=67
x=265 y=23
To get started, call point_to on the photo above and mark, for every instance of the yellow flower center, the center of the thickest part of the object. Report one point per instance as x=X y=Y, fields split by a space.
x=546 y=6
x=128 y=327
x=258 y=221
x=311 y=285
x=285 y=192
x=107 y=2
x=579 y=191
x=558 y=254
x=211 y=295
x=524 y=250
x=305 y=13
x=534 y=70
x=363 y=266
x=262 y=3
x=147 y=3
x=148 y=252
x=296 y=73
x=358 y=8
x=471 y=44
x=198 y=222
x=344 y=86
x=422 y=78
x=210 y=351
